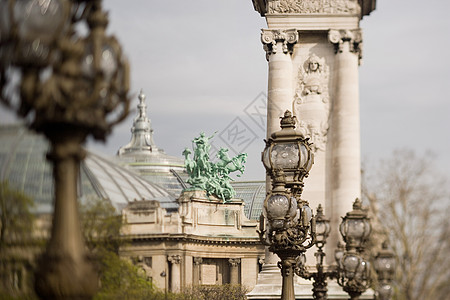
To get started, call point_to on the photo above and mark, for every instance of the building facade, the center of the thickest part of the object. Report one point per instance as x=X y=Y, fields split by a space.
x=205 y=242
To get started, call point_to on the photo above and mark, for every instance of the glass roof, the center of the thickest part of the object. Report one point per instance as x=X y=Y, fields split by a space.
x=122 y=186
x=253 y=193
x=23 y=164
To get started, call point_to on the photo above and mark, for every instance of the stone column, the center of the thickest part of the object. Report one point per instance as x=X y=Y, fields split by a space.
x=344 y=165
x=234 y=270
x=196 y=277
x=278 y=45
x=175 y=270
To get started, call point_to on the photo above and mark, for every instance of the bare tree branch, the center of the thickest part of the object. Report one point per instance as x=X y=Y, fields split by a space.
x=410 y=201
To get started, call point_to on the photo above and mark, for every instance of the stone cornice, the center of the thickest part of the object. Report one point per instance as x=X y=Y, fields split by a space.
x=193 y=239
x=270 y=38
x=353 y=37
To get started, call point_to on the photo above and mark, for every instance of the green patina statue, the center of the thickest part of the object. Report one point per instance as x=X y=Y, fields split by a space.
x=214 y=178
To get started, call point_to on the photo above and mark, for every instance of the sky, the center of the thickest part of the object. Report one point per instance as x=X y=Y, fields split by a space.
x=202 y=67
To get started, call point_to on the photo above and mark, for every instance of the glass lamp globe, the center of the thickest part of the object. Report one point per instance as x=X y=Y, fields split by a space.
x=362 y=272
x=278 y=209
x=322 y=226
x=36 y=24
x=339 y=254
x=385 y=292
x=384 y=263
x=351 y=264
x=107 y=63
x=289 y=151
x=355 y=227
x=301 y=260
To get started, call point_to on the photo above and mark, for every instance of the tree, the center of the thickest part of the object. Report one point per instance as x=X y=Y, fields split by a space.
x=16 y=218
x=100 y=224
x=16 y=235
x=411 y=201
x=120 y=279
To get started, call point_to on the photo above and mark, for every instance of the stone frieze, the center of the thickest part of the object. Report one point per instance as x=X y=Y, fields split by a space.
x=314 y=7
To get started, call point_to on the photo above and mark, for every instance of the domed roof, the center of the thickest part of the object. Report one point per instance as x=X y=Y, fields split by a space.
x=143 y=156
x=23 y=164
x=121 y=186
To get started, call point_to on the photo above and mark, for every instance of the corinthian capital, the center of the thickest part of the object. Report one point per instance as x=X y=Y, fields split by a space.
x=174 y=259
x=340 y=37
x=198 y=260
x=271 y=37
x=234 y=262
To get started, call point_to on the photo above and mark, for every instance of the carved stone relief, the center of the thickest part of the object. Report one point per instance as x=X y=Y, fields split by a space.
x=311 y=104
x=314 y=6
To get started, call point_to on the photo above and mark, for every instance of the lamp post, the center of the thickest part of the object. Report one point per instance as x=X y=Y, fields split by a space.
x=321 y=275
x=353 y=268
x=384 y=264
x=287 y=158
x=68 y=84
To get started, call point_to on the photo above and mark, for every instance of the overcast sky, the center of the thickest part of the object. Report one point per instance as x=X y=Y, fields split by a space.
x=202 y=67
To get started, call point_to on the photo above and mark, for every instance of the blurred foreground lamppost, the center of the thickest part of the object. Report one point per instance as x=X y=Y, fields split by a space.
x=384 y=264
x=287 y=158
x=68 y=80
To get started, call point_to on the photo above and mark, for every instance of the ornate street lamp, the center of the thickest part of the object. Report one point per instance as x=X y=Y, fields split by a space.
x=384 y=264
x=291 y=225
x=353 y=269
x=320 y=276
x=67 y=83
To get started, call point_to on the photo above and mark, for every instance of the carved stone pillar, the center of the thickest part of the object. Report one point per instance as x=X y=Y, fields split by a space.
x=175 y=270
x=234 y=270
x=344 y=184
x=278 y=45
x=197 y=263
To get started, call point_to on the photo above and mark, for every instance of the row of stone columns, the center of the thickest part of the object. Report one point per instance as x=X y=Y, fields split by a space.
x=343 y=165
x=175 y=269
